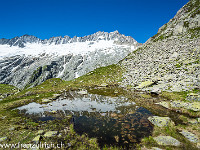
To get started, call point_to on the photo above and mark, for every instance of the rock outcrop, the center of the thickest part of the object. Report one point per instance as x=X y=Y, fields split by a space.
x=169 y=60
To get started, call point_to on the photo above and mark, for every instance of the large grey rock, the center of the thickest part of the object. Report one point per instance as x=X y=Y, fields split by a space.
x=3 y=139
x=193 y=97
x=46 y=100
x=195 y=106
x=37 y=139
x=164 y=104
x=167 y=140
x=156 y=91
x=83 y=92
x=160 y=121
x=190 y=136
x=50 y=134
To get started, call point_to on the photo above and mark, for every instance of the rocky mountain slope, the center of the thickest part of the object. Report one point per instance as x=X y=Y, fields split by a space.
x=170 y=60
x=28 y=60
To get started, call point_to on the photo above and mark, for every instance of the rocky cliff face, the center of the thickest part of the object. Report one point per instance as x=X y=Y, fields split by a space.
x=169 y=60
x=28 y=60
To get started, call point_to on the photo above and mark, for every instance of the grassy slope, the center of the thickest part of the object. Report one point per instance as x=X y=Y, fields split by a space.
x=7 y=89
x=25 y=129
x=110 y=75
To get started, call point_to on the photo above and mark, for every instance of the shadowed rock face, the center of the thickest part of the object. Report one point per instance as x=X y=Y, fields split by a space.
x=19 y=68
x=170 y=59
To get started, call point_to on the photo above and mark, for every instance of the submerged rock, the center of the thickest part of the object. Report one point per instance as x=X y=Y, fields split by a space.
x=160 y=121
x=167 y=140
x=116 y=138
x=190 y=136
x=50 y=134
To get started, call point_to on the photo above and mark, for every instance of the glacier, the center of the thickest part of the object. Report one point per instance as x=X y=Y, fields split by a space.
x=28 y=60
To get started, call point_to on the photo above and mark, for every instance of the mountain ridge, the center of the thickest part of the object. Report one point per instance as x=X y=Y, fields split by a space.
x=26 y=61
x=100 y=35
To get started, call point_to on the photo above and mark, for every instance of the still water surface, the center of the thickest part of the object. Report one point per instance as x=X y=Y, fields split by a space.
x=112 y=120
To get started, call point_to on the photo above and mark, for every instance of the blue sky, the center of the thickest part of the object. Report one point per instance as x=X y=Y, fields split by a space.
x=140 y=19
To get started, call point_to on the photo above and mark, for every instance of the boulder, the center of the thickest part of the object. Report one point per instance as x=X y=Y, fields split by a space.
x=46 y=100
x=198 y=145
x=40 y=132
x=83 y=92
x=3 y=139
x=145 y=84
x=193 y=97
x=36 y=139
x=156 y=91
x=190 y=136
x=12 y=128
x=193 y=121
x=104 y=85
x=160 y=121
x=167 y=140
x=164 y=104
x=155 y=148
x=53 y=112
x=50 y=134
x=195 y=106
x=55 y=96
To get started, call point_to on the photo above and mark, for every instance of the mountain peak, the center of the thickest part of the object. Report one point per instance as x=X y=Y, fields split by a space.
x=186 y=22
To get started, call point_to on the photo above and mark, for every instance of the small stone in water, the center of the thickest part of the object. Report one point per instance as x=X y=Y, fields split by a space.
x=116 y=138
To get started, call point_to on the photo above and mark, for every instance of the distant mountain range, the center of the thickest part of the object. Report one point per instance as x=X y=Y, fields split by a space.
x=23 y=40
x=28 y=60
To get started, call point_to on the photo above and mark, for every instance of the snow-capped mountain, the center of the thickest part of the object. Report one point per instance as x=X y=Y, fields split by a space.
x=30 y=60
